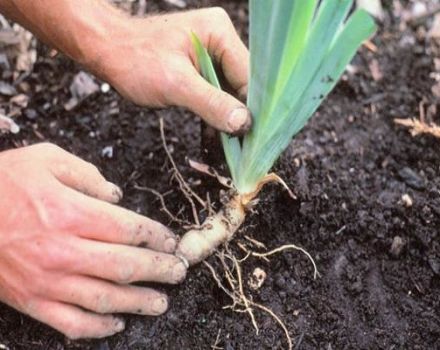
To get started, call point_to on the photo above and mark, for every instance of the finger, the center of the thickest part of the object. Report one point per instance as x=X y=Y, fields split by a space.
x=124 y=264
x=85 y=178
x=104 y=298
x=219 y=109
x=76 y=323
x=231 y=53
x=109 y=223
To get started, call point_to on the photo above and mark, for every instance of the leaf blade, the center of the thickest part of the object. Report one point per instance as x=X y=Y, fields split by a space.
x=231 y=145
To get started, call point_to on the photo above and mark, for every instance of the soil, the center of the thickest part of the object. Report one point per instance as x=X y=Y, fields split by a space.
x=350 y=168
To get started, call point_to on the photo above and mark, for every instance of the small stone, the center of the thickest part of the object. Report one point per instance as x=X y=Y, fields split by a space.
x=375 y=70
x=7 y=89
x=105 y=88
x=435 y=265
x=397 y=246
x=8 y=125
x=31 y=114
x=406 y=201
x=107 y=152
x=412 y=179
x=20 y=100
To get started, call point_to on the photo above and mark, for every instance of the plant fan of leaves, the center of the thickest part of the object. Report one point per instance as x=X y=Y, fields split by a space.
x=299 y=50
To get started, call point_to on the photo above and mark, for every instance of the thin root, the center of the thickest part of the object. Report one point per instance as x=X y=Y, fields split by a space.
x=241 y=303
x=418 y=127
x=287 y=247
x=270 y=178
x=256 y=243
x=164 y=207
x=276 y=318
x=216 y=346
x=183 y=185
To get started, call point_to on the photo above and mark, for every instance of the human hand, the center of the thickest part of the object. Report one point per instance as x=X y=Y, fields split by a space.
x=68 y=256
x=151 y=61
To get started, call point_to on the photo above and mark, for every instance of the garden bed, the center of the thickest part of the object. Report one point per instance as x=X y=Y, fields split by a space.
x=378 y=255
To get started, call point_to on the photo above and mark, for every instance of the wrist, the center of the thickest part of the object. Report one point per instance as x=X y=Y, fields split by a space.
x=96 y=37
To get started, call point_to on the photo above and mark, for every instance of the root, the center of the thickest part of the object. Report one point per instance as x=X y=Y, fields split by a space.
x=287 y=247
x=241 y=303
x=216 y=346
x=197 y=244
x=183 y=185
x=419 y=127
x=164 y=207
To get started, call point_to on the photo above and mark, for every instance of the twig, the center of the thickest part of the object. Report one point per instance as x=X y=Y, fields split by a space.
x=370 y=46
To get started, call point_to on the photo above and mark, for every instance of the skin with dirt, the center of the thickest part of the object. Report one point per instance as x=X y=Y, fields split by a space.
x=378 y=256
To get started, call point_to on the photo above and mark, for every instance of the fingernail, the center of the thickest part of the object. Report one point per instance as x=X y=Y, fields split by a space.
x=243 y=94
x=239 y=121
x=119 y=325
x=160 y=305
x=179 y=272
x=116 y=192
x=170 y=245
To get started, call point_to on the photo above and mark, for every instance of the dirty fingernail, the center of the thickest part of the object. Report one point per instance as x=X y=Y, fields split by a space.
x=179 y=272
x=239 y=121
x=119 y=325
x=243 y=94
x=170 y=245
x=116 y=192
x=160 y=305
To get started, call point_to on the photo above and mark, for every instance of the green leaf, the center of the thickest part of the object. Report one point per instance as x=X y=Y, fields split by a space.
x=329 y=47
x=231 y=145
x=299 y=51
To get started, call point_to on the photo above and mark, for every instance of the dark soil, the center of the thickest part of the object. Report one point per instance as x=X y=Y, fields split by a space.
x=350 y=167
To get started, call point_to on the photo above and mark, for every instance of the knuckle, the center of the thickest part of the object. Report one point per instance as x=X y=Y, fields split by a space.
x=63 y=170
x=52 y=255
x=47 y=148
x=125 y=273
x=219 y=13
x=103 y=303
x=132 y=233
x=215 y=101
x=175 y=81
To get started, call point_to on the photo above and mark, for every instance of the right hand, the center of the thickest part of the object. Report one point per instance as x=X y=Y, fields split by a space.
x=68 y=256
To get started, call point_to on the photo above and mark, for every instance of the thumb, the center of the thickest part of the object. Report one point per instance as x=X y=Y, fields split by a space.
x=219 y=109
